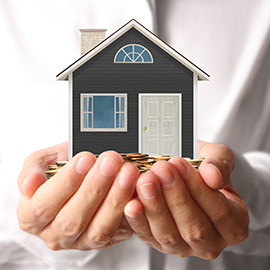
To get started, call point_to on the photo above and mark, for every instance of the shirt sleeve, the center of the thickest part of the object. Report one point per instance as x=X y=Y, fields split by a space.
x=251 y=179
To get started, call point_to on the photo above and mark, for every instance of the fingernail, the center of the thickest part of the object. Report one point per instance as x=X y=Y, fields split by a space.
x=126 y=179
x=212 y=164
x=82 y=166
x=217 y=171
x=108 y=166
x=24 y=187
x=129 y=211
x=32 y=182
x=165 y=177
x=148 y=191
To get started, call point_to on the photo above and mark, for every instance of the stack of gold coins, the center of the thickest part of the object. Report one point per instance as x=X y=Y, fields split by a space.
x=144 y=162
x=195 y=162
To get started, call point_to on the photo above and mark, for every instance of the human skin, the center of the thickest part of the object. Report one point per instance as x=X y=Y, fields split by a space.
x=82 y=206
x=186 y=212
x=90 y=204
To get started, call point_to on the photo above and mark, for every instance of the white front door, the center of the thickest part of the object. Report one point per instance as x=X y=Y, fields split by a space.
x=160 y=124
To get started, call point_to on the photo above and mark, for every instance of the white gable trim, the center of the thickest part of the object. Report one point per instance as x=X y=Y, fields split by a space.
x=64 y=75
x=171 y=51
x=195 y=116
x=70 y=117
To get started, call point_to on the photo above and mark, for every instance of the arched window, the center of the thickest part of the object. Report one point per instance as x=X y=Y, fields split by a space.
x=133 y=53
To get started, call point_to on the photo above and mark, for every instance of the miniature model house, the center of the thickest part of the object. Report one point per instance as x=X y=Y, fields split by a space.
x=132 y=92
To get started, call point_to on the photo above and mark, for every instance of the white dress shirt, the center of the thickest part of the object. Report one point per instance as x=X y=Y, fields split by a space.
x=229 y=39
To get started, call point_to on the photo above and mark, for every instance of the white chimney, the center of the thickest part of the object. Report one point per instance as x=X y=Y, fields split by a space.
x=90 y=38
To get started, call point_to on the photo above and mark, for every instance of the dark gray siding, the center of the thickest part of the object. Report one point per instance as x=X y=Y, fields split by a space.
x=101 y=75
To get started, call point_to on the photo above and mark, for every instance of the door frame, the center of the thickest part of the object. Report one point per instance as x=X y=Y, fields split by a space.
x=140 y=95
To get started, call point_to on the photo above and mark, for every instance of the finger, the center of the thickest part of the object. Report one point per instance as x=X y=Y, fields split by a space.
x=218 y=164
x=136 y=218
x=49 y=198
x=158 y=215
x=107 y=219
x=35 y=178
x=227 y=214
x=122 y=234
x=77 y=213
x=191 y=221
x=124 y=231
x=32 y=174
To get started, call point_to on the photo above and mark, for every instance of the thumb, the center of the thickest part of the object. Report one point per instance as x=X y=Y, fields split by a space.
x=34 y=179
x=217 y=166
x=32 y=174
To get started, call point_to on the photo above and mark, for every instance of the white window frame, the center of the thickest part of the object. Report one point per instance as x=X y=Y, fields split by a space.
x=133 y=61
x=104 y=129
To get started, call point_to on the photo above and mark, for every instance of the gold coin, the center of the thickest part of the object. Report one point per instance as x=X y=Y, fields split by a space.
x=61 y=163
x=148 y=161
x=149 y=166
x=136 y=155
x=137 y=158
x=51 y=172
x=194 y=161
x=52 y=167
x=138 y=164
x=162 y=158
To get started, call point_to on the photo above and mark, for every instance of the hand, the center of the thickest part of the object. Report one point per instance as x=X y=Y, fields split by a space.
x=178 y=212
x=82 y=206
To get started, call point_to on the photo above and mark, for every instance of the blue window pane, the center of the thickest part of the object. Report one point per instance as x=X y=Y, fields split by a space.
x=128 y=49
x=122 y=125
x=130 y=56
x=103 y=107
x=127 y=59
x=117 y=120
x=139 y=60
x=117 y=104
x=146 y=56
x=85 y=104
x=122 y=104
x=136 y=55
x=120 y=56
x=90 y=104
x=85 y=120
x=90 y=120
x=138 y=49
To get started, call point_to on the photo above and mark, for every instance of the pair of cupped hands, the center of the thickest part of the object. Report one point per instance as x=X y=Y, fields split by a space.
x=96 y=203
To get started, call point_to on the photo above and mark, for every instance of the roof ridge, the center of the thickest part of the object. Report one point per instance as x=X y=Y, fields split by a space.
x=135 y=21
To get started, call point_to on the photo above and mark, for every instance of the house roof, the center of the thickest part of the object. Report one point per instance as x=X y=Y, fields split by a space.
x=63 y=75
